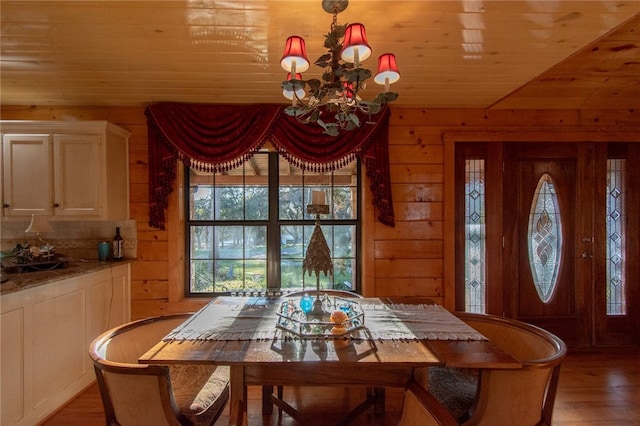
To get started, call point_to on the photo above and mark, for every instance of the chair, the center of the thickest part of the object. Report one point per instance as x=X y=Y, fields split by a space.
x=421 y=408
x=525 y=396
x=138 y=394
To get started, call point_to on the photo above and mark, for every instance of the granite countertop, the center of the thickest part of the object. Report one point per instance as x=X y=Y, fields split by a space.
x=19 y=281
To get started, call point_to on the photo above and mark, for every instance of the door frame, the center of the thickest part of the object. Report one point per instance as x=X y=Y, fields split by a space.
x=450 y=138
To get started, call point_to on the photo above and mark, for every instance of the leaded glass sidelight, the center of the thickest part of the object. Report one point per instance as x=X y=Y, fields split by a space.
x=545 y=238
x=616 y=303
x=474 y=235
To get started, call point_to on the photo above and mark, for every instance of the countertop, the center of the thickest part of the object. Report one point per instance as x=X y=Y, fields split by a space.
x=19 y=281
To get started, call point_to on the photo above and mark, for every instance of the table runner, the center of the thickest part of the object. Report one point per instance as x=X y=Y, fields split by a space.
x=254 y=318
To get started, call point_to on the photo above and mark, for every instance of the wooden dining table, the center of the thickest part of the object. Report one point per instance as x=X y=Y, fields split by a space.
x=385 y=351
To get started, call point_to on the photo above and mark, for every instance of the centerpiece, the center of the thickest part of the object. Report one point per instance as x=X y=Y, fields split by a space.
x=345 y=315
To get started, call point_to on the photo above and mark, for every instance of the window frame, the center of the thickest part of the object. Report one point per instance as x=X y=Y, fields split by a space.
x=273 y=225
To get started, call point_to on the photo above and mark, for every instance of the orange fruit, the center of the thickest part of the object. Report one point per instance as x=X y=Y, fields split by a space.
x=338 y=330
x=338 y=317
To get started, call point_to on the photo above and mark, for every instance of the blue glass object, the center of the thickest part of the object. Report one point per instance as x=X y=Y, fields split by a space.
x=104 y=248
x=306 y=303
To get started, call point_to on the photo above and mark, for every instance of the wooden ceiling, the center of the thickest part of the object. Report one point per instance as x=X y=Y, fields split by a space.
x=463 y=54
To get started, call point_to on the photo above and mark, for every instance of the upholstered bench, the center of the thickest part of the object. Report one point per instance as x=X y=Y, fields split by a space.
x=138 y=394
x=496 y=397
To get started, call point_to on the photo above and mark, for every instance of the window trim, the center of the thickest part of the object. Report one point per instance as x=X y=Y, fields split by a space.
x=273 y=225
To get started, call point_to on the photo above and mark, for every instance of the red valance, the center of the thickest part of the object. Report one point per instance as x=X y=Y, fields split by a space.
x=217 y=138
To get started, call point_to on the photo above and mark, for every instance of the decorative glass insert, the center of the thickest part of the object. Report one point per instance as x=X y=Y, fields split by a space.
x=545 y=238
x=616 y=265
x=474 y=236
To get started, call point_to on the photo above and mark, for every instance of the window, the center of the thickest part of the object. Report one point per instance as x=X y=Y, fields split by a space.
x=616 y=237
x=474 y=236
x=544 y=238
x=248 y=228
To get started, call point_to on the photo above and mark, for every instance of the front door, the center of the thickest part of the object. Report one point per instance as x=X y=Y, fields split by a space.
x=567 y=239
x=546 y=279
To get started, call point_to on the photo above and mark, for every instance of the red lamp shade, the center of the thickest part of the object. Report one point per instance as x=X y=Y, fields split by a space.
x=294 y=58
x=299 y=88
x=354 y=46
x=388 y=72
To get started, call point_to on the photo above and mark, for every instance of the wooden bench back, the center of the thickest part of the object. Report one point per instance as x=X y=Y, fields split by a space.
x=132 y=393
x=524 y=396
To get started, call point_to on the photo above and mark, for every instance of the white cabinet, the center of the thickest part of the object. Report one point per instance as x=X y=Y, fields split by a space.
x=45 y=334
x=27 y=174
x=66 y=170
x=75 y=175
x=12 y=352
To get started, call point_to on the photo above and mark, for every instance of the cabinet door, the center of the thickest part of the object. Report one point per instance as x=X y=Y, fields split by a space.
x=77 y=175
x=121 y=305
x=26 y=175
x=12 y=355
x=103 y=315
x=109 y=300
x=59 y=346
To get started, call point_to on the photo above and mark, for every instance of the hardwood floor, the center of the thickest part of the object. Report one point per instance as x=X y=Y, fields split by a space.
x=600 y=388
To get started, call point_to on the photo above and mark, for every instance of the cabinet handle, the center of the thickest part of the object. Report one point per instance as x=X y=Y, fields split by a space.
x=6 y=205
x=56 y=205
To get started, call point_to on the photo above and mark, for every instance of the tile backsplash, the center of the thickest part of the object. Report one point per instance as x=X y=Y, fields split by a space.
x=77 y=239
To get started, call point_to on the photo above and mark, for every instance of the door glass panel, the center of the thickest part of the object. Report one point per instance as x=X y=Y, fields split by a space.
x=545 y=238
x=474 y=235
x=616 y=303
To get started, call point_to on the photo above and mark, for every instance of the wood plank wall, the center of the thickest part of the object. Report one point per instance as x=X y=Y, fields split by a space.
x=406 y=260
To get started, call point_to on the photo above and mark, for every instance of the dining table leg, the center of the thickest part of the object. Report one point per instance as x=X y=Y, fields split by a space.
x=267 y=405
x=379 y=398
x=237 y=397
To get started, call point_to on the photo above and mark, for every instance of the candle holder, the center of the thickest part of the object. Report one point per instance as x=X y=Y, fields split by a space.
x=318 y=258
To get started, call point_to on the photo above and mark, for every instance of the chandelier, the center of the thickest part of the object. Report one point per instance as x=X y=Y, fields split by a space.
x=334 y=102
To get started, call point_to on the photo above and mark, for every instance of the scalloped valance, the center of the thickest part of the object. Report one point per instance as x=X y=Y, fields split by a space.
x=217 y=138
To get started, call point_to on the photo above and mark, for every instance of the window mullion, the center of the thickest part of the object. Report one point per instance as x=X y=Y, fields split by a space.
x=273 y=224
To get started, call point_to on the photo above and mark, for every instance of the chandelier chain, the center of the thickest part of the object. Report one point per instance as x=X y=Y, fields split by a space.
x=334 y=22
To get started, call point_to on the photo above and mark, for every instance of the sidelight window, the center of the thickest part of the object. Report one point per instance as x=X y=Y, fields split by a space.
x=475 y=231
x=615 y=219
